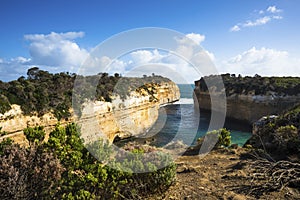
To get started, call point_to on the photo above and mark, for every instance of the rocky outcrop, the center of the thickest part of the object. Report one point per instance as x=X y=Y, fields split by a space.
x=125 y=118
x=279 y=135
x=242 y=103
x=249 y=108
x=14 y=122
x=119 y=118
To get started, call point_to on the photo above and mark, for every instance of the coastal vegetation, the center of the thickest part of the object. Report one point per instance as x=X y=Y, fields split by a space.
x=257 y=85
x=223 y=138
x=62 y=168
x=276 y=148
x=42 y=92
x=279 y=136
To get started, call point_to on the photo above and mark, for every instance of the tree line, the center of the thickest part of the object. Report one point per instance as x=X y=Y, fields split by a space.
x=42 y=92
x=257 y=84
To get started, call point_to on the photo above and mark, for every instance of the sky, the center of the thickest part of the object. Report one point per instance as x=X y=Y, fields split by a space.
x=243 y=37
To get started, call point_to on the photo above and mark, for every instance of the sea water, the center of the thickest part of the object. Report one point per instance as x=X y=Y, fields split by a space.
x=181 y=122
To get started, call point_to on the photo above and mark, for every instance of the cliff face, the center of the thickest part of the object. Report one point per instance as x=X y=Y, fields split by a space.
x=249 y=98
x=14 y=122
x=133 y=116
x=249 y=108
x=120 y=118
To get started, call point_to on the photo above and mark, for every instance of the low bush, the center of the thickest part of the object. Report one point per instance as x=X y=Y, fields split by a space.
x=224 y=138
x=62 y=168
x=88 y=177
x=28 y=173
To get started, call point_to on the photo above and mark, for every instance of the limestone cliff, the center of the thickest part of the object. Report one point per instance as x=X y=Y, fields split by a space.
x=122 y=118
x=250 y=98
x=249 y=108
x=14 y=122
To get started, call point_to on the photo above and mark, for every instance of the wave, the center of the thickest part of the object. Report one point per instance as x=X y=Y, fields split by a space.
x=185 y=101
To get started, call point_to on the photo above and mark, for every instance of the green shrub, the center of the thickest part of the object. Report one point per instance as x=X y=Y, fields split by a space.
x=86 y=177
x=34 y=135
x=224 y=138
x=287 y=132
x=66 y=170
x=4 y=104
x=4 y=143
x=2 y=133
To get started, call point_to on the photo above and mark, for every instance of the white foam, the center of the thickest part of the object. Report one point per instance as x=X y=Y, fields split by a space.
x=185 y=101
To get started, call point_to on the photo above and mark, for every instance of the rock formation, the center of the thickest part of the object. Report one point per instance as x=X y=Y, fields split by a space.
x=249 y=98
x=122 y=118
x=279 y=135
x=125 y=118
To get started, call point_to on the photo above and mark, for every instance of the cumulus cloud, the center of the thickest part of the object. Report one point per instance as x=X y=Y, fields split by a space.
x=235 y=28
x=263 y=61
x=56 y=49
x=146 y=56
x=13 y=68
x=54 y=52
x=197 y=38
x=171 y=64
x=273 y=9
x=270 y=15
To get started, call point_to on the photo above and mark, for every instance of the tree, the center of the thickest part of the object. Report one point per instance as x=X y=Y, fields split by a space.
x=117 y=75
x=32 y=73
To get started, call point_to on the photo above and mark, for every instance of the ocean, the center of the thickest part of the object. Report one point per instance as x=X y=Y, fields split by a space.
x=181 y=122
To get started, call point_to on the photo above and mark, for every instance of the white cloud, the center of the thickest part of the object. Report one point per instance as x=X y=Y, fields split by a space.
x=277 y=17
x=21 y=60
x=270 y=11
x=257 y=22
x=145 y=56
x=273 y=9
x=172 y=64
x=264 y=61
x=54 y=52
x=198 y=38
x=57 y=52
x=191 y=39
x=56 y=49
x=235 y=28
x=54 y=36
x=188 y=46
x=13 y=69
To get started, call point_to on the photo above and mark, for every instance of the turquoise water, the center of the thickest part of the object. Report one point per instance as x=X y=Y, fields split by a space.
x=180 y=121
x=240 y=132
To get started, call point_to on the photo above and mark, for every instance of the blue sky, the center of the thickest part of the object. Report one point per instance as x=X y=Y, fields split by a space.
x=247 y=37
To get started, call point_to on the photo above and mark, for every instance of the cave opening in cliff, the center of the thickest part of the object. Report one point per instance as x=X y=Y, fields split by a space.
x=116 y=139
